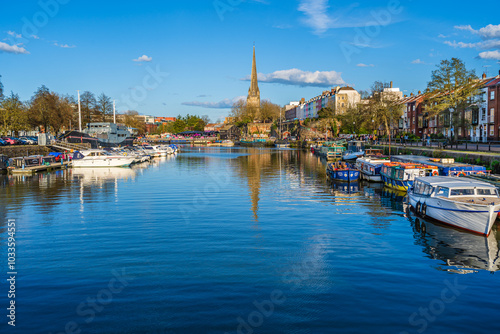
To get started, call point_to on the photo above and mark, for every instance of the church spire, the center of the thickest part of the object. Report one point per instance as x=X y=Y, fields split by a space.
x=253 y=99
x=254 y=86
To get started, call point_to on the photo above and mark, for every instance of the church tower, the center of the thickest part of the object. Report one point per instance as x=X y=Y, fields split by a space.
x=253 y=99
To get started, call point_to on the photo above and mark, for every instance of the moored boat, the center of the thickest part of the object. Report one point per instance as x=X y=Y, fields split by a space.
x=355 y=149
x=342 y=172
x=400 y=176
x=446 y=167
x=370 y=167
x=467 y=204
x=100 y=158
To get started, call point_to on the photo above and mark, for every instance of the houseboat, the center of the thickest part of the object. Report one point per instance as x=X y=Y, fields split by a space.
x=446 y=167
x=355 y=149
x=467 y=204
x=370 y=167
x=342 y=172
x=330 y=150
x=400 y=176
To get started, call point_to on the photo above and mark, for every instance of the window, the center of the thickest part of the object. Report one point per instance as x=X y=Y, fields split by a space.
x=486 y=192
x=427 y=190
x=462 y=192
x=443 y=192
x=492 y=95
x=492 y=115
x=492 y=130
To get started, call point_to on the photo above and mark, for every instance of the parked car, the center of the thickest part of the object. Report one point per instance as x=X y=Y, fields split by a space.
x=3 y=142
x=28 y=140
x=21 y=141
x=9 y=140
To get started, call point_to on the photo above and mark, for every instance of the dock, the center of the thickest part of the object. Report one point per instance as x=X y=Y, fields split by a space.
x=41 y=168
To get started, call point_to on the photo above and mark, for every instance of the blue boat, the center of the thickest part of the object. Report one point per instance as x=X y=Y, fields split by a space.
x=446 y=167
x=342 y=172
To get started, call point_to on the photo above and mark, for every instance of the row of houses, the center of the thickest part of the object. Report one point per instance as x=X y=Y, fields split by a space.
x=481 y=122
x=153 y=122
x=341 y=98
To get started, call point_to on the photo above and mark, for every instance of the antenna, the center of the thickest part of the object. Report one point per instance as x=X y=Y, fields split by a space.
x=486 y=69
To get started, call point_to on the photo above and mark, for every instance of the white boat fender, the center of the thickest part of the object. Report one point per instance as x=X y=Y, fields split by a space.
x=424 y=209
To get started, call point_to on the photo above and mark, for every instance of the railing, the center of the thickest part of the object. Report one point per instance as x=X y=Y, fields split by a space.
x=70 y=146
x=490 y=146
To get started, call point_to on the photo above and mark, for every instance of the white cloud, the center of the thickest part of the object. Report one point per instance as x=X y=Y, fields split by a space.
x=489 y=44
x=296 y=77
x=488 y=32
x=494 y=55
x=12 y=49
x=418 y=61
x=224 y=104
x=491 y=40
x=14 y=34
x=35 y=37
x=365 y=65
x=64 y=46
x=143 y=58
x=465 y=27
x=442 y=36
x=316 y=14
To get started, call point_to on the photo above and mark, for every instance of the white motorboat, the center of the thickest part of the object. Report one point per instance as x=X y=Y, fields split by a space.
x=467 y=204
x=100 y=158
x=227 y=143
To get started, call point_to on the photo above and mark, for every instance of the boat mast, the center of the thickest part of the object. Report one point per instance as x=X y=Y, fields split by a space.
x=79 y=113
x=114 y=111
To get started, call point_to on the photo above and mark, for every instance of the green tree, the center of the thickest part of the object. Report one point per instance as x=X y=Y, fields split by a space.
x=452 y=90
x=382 y=109
x=13 y=114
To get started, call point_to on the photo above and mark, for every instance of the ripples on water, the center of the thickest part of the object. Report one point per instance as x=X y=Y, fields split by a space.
x=208 y=238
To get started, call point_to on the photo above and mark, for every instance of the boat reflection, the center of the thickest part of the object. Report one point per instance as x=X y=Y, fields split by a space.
x=460 y=252
x=345 y=188
x=89 y=176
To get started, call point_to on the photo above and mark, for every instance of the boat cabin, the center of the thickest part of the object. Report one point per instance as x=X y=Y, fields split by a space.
x=356 y=146
x=463 y=190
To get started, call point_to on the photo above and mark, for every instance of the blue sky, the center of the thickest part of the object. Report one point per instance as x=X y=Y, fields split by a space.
x=166 y=58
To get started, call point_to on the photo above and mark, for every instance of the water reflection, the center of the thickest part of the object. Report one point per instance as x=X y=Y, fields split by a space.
x=459 y=251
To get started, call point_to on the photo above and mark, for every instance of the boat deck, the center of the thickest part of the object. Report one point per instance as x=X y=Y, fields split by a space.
x=474 y=200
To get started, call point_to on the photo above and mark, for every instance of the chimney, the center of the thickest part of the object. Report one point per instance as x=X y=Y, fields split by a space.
x=484 y=76
x=419 y=92
x=391 y=84
x=411 y=94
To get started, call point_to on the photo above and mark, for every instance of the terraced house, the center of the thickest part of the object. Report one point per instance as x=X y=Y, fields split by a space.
x=479 y=123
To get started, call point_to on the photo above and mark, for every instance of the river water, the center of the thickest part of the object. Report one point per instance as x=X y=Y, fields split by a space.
x=235 y=240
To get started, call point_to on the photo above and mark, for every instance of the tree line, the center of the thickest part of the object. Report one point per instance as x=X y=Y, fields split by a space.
x=51 y=112
x=452 y=95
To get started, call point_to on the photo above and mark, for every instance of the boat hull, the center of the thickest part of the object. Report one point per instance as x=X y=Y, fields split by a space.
x=396 y=184
x=471 y=217
x=344 y=175
x=106 y=162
